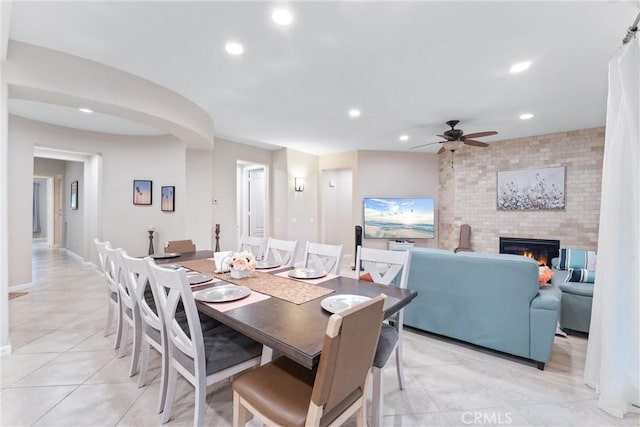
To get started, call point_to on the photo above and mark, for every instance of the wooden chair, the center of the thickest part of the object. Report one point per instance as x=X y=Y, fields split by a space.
x=203 y=351
x=285 y=393
x=325 y=257
x=464 y=244
x=152 y=329
x=383 y=267
x=180 y=246
x=112 y=293
x=281 y=251
x=255 y=245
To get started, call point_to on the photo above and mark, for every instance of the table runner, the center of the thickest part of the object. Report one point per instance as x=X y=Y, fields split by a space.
x=279 y=287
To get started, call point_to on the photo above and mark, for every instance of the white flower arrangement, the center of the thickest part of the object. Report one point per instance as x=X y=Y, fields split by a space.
x=242 y=261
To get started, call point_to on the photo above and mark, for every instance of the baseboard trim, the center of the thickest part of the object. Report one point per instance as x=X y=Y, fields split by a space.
x=22 y=287
x=73 y=254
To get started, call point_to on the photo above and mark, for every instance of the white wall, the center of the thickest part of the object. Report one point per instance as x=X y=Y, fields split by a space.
x=198 y=199
x=303 y=214
x=42 y=207
x=336 y=205
x=74 y=218
x=396 y=174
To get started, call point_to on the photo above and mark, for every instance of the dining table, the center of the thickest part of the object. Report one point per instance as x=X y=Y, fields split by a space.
x=286 y=328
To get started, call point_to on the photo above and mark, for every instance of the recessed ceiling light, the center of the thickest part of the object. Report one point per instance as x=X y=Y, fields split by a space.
x=519 y=67
x=354 y=113
x=404 y=137
x=234 y=48
x=85 y=110
x=526 y=116
x=282 y=17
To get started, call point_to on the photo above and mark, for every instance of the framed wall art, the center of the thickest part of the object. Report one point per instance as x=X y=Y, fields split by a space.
x=73 y=199
x=168 y=194
x=142 y=192
x=531 y=189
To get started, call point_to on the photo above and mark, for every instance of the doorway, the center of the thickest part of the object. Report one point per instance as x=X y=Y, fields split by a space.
x=253 y=199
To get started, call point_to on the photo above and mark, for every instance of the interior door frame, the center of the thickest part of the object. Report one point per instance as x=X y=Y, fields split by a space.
x=244 y=168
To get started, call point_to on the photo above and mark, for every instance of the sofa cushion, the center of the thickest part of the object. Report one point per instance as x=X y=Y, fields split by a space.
x=576 y=258
x=576 y=288
x=581 y=275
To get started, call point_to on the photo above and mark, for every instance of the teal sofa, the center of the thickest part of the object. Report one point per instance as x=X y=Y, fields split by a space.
x=577 y=300
x=491 y=300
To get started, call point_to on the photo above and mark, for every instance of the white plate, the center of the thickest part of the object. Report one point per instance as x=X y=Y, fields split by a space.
x=261 y=265
x=195 y=278
x=339 y=303
x=169 y=266
x=165 y=255
x=307 y=273
x=223 y=293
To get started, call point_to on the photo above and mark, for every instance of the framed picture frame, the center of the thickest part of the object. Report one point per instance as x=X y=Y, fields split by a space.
x=168 y=198
x=73 y=199
x=531 y=189
x=142 y=192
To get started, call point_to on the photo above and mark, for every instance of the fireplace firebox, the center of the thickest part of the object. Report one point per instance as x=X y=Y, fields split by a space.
x=541 y=250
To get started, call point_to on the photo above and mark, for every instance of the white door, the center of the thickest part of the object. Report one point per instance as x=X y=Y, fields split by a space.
x=255 y=208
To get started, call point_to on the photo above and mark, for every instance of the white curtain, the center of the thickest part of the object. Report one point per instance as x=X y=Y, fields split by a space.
x=613 y=351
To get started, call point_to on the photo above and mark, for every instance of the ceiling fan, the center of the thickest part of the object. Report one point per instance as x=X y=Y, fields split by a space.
x=455 y=138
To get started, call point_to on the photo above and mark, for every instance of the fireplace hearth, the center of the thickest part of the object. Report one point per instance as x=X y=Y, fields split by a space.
x=541 y=250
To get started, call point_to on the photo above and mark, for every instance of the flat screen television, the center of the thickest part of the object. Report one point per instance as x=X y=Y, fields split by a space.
x=399 y=219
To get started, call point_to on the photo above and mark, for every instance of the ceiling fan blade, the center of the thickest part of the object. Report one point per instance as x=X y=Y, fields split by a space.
x=475 y=143
x=448 y=138
x=479 y=134
x=442 y=150
x=424 y=145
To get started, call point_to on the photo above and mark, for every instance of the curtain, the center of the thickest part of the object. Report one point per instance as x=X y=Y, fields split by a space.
x=36 y=207
x=613 y=355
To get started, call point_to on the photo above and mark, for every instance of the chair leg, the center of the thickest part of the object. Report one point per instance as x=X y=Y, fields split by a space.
x=239 y=411
x=376 y=397
x=400 y=364
x=171 y=392
x=120 y=326
x=144 y=363
x=164 y=378
x=201 y=401
x=124 y=336
x=135 y=353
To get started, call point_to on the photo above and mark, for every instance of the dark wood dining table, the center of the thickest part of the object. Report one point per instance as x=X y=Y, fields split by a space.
x=296 y=331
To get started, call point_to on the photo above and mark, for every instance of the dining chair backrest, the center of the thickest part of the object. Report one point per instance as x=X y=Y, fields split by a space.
x=113 y=268
x=281 y=251
x=252 y=244
x=137 y=274
x=383 y=266
x=347 y=355
x=101 y=247
x=322 y=256
x=180 y=246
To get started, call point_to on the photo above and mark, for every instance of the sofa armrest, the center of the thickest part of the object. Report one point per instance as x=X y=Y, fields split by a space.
x=545 y=312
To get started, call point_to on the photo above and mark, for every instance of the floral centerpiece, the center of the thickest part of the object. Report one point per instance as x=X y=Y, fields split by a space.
x=241 y=264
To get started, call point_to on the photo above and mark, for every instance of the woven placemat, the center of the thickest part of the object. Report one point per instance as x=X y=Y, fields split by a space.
x=286 y=289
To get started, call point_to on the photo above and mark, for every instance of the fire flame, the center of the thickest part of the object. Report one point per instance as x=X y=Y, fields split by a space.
x=542 y=260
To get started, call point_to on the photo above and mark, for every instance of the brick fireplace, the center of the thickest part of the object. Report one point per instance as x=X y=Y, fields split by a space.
x=541 y=250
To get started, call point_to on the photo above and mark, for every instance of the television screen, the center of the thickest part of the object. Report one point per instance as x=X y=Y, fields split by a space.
x=386 y=218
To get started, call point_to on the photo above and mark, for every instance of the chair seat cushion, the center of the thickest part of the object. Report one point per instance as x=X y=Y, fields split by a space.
x=577 y=288
x=386 y=345
x=281 y=390
x=225 y=347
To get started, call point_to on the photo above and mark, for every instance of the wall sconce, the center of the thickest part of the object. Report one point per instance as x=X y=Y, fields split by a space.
x=298 y=184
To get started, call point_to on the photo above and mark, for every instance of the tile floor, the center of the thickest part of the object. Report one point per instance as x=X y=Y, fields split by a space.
x=64 y=372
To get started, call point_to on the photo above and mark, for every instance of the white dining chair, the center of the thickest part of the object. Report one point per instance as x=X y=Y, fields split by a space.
x=128 y=308
x=322 y=256
x=383 y=266
x=281 y=251
x=111 y=274
x=203 y=351
x=152 y=328
x=112 y=294
x=252 y=244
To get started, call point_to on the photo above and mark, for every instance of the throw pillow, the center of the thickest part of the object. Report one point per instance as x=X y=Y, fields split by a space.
x=576 y=258
x=544 y=275
x=581 y=275
x=367 y=277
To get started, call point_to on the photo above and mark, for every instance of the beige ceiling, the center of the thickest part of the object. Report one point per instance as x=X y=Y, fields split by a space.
x=408 y=66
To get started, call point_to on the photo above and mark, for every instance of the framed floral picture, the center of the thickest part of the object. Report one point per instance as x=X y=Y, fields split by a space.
x=142 y=192
x=531 y=189
x=168 y=203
